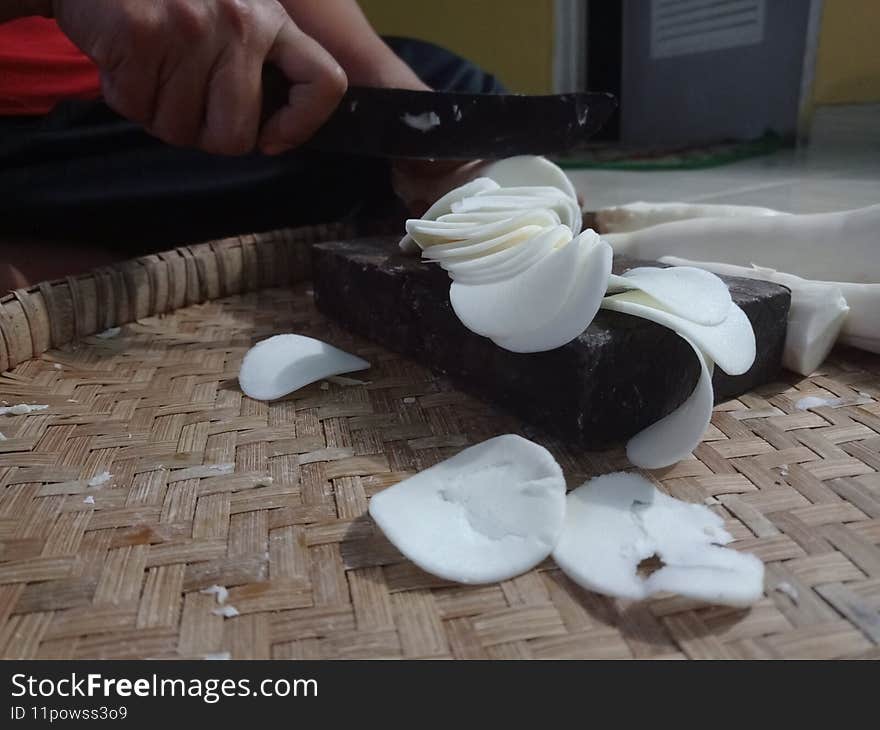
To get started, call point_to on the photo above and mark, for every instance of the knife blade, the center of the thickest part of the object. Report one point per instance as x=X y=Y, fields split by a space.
x=400 y=123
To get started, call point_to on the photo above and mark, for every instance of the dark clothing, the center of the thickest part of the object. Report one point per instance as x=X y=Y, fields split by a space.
x=83 y=173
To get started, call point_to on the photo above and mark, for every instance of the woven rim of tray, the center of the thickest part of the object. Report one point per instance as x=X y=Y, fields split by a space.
x=308 y=574
x=52 y=314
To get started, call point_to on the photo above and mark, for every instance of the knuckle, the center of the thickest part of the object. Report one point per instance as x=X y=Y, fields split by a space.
x=193 y=18
x=238 y=15
x=141 y=26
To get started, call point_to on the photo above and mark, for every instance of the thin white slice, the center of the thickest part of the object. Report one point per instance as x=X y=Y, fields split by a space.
x=530 y=170
x=454 y=238
x=283 y=364
x=444 y=205
x=523 y=197
x=489 y=513
x=615 y=521
x=509 y=262
x=818 y=314
x=478 y=217
x=579 y=309
x=685 y=291
x=482 y=249
x=731 y=344
x=521 y=303
x=676 y=435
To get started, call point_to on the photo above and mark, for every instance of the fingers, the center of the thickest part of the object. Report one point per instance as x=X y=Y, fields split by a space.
x=190 y=71
x=232 y=116
x=131 y=94
x=179 y=112
x=318 y=83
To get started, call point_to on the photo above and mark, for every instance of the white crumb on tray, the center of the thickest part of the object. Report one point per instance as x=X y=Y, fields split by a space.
x=89 y=500
x=109 y=333
x=2 y=437
x=22 y=409
x=423 y=122
x=815 y=401
x=219 y=592
x=218 y=656
x=409 y=400
x=100 y=479
x=58 y=366
x=226 y=611
x=788 y=589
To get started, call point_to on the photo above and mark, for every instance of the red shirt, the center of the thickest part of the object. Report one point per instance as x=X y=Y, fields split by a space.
x=39 y=67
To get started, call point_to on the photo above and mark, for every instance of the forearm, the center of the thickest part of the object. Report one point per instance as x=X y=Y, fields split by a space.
x=12 y=9
x=340 y=26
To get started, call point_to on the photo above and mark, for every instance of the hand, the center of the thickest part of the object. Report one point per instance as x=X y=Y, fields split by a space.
x=190 y=70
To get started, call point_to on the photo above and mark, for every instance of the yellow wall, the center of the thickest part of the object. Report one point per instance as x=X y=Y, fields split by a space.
x=848 y=58
x=513 y=39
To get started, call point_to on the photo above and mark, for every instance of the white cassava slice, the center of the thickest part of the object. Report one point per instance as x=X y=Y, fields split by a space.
x=444 y=205
x=819 y=312
x=511 y=261
x=730 y=344
x=530 y=170
x=470 y=218
x=519 y=304
x=616 y=521
x=580 y=307
x=482 y=249
x=685 y=291
x=285 y=363
x=676 y=435
x=489 y=513
x=518 y=198
x=457 y=239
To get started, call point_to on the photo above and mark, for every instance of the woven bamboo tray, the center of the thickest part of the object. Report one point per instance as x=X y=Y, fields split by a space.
x=159 y=408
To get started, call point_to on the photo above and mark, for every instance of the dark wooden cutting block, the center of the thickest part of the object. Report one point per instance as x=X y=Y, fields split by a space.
x=618 y=377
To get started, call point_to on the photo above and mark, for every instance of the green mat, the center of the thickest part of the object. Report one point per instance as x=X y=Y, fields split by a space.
x=679 y=158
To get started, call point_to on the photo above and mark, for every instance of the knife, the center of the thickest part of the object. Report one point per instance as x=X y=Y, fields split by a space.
x=401 y=123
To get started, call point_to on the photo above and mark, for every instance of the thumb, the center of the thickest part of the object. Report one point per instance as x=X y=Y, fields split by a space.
x=317 y=85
